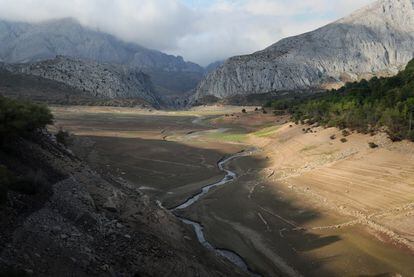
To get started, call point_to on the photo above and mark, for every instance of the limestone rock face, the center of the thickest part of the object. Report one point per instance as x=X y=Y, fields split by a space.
x=376 y=40
x=107 y=81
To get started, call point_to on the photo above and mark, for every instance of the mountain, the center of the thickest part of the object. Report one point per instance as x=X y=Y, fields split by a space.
x=376 y=40
x=102 y=80
x=24 y=42
x=213 y=66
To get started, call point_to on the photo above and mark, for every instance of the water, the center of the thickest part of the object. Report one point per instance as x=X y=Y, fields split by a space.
x=198 y=228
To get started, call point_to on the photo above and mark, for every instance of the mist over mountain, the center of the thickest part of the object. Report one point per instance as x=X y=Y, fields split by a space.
x=23 y=42
x=376 y=40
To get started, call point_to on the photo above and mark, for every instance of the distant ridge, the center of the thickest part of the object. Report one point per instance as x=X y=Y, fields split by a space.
x=23 y=42
x=98 y=80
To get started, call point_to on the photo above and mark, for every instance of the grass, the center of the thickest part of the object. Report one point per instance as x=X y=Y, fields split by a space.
x=265 y=132
x=229 y=137
x=308 y=148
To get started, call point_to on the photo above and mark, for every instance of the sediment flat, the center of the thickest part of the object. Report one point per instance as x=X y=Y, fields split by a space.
x=306 y=201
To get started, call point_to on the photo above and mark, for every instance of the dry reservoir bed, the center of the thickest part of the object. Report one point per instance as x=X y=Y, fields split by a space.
x=306 y=202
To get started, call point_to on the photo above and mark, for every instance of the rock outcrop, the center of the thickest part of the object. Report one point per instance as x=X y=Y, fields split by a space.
x=23 y=43
x=105 y=81
x=376 y=40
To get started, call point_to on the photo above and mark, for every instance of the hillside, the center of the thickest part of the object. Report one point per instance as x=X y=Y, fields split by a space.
x=376 y=40
x=381 y=104
x=23 y=42
x=102 y=81
x=60 y=218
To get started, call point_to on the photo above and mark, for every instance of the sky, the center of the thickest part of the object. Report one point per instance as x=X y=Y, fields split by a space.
x=202 y=31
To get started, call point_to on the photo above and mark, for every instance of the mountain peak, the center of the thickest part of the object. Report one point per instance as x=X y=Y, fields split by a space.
x=395 y=12
x=375 y=40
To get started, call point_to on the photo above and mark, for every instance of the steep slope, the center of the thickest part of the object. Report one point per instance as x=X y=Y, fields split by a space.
x=60 y=218
x=24 y=42
x=105 y=81
x=376 y=40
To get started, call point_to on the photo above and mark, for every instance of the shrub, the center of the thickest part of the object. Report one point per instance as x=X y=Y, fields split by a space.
x=63 y=137
x=373 y=145
x=244 y=111
x=345 y=133
x=333 y=137
x=18 y=118
x=343 y=140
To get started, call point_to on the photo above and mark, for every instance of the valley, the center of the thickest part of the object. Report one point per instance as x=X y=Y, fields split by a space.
x=207 y=138
x=303 y=204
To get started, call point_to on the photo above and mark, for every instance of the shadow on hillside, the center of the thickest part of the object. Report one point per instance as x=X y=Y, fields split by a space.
x=164 y=166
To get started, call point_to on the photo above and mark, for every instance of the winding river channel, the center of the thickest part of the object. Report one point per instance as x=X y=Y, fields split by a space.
x=198 y=228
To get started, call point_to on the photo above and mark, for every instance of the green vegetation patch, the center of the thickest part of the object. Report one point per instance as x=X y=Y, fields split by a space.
x=265 y=132
x=228 y=137
x=20 y=118
x=308 y=148
x=365 y=106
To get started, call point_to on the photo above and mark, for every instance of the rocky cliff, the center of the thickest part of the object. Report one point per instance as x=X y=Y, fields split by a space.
x=24 y=42
x=105 y=81
x=376 y=40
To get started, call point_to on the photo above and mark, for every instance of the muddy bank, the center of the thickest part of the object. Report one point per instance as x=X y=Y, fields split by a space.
x=230 y=176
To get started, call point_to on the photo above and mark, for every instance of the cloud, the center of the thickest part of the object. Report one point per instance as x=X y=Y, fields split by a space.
x=200 y=30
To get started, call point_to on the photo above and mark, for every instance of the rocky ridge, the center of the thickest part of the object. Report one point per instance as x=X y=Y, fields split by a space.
x=376 y=40
x=106 y=81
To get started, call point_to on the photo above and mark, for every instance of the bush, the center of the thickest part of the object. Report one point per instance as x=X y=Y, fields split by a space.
x=244 y=111
x=63 y=137
x=345 y=133
x=18 y=118
x=373 y=145
x=332 y=137
x=343 y=140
